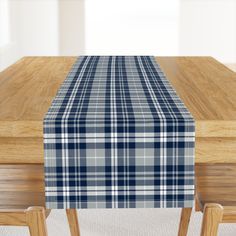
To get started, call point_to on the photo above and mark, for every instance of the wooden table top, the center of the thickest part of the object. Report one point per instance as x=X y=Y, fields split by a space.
x=207 y=88
x=27 y=88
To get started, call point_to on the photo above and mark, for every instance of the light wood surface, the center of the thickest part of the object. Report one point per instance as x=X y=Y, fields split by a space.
x=184 y=221
x=215 y=197
x=21 y=150
x=21 y=186
x=73 y=222
x=212 y=216
x=206 y=86
x=216 y=183
x=229 y=214
x=215 y=150
x=36 y=220
x=13 y=217
x=28 y=87
x=33 y=217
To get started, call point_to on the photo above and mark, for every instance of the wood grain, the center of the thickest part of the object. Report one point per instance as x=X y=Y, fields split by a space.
x=21 y=150
x=205 y=86
x=30 y=150
x=215 y=150
x=33 y=217
x=215 y=129
x=28 y=87
x=184 y=221
x=13 y=217
x=21 y=129
x=215 y=195
x=36 y=220
x=229 y=214
x=21 y=186
x=72 y=218
x=216 y=183
x=212 y=216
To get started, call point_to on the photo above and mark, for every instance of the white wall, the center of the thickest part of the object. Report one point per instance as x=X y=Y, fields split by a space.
x=4 y=22
x=33 y=30
x=37 y=26
x=71 y=21
x=132 y=27
x=208 y=27
x=9 y=49
x=162 y=27
x=159 y=27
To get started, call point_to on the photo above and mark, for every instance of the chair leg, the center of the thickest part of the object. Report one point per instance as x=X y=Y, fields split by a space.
x=72 y=218
x=36 y=221
x=212 y=216
x=184 y=221
x=198 y=205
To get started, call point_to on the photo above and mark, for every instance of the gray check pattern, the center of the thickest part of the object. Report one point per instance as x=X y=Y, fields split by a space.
x=118 y=136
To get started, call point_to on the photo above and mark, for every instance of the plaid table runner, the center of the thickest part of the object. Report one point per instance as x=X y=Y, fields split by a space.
x=118 y=136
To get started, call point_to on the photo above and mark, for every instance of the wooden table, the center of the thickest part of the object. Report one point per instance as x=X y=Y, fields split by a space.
x=27 y=88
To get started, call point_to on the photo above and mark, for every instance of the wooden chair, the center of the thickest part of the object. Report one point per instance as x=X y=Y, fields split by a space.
x=215 y=197
x=33 y=217
x=22 y=200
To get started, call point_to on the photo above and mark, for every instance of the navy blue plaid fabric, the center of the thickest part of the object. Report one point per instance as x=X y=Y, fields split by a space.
x=118 y=136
